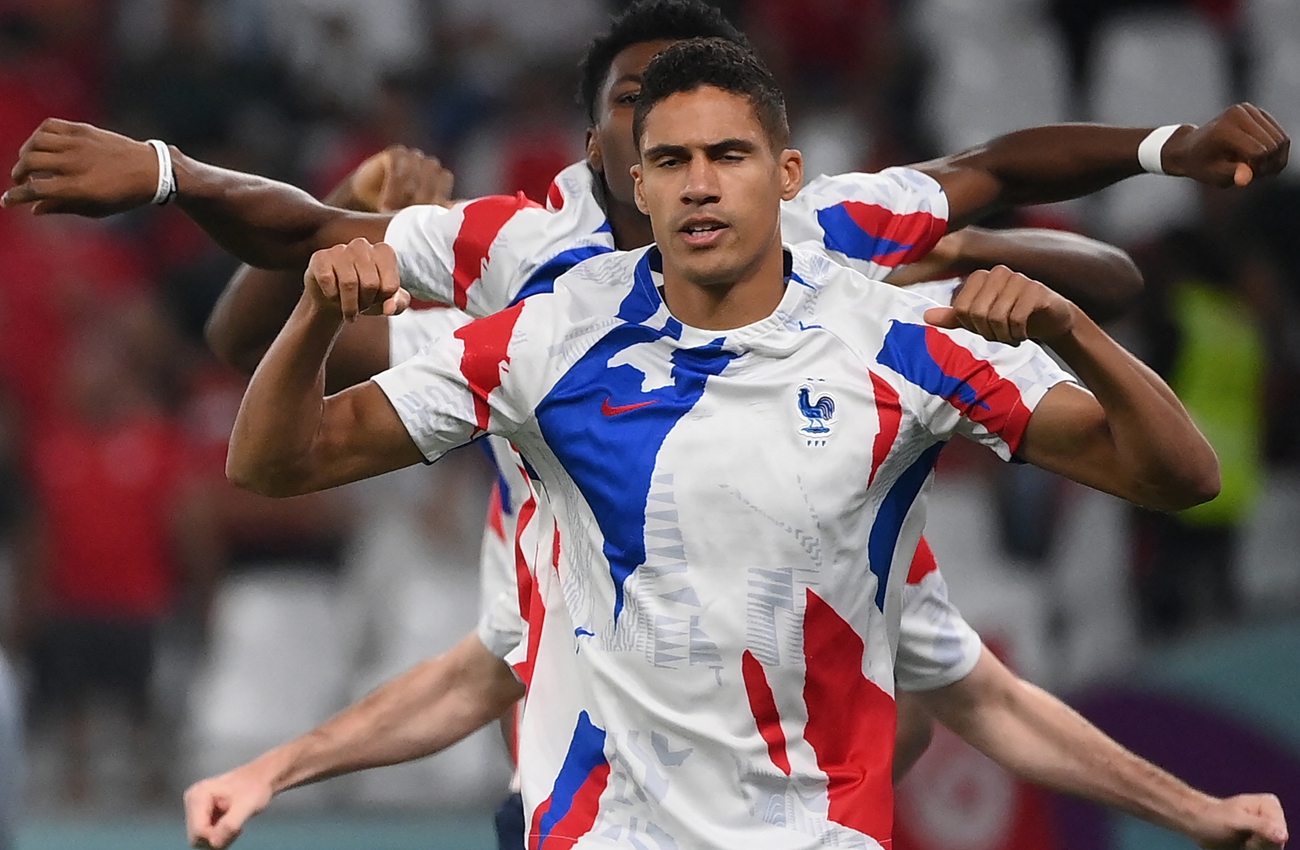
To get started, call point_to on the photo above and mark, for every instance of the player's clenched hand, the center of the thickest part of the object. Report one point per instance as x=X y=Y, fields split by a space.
x=1244 y=822
x=66 y=167
x=1006 y=306
x=216 y=809
x=1242 y=143
x=393 y=179
x=357 y=278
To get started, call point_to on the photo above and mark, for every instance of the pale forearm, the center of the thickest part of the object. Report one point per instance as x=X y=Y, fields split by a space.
x=1169 y=463
x=1042 y=740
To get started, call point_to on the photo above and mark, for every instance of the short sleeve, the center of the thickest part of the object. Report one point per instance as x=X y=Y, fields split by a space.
x=961 y=383
x=936 y=646
x=467 y=256
x=461 y=386
x=872 y=223
x=412 y=330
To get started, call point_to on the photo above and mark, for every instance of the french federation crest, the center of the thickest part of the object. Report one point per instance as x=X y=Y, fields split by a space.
x=819 y=410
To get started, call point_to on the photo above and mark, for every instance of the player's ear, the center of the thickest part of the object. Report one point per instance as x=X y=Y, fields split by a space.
x=638 y=189
x=791 y=164
x=595 y=157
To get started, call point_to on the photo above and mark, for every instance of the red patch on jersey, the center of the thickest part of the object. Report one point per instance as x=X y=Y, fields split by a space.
x=483 y=220
x=890 y=412
x=487 y=352
x=495 y=511
x=998 y=405
x=554 y=197
x=523 y=575
x=763 y=706
x=851 y=724
x=923 y=563
x=916 y=232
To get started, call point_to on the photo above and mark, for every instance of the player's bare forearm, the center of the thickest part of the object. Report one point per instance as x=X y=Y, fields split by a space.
x=1100 y=278
x=263 y=222
x=1055 y=163
x=1131 y=437
x=1039 y=738
x=432 y=706
x=425 y=710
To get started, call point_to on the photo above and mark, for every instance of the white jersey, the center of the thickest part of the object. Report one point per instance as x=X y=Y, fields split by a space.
x=730 y=518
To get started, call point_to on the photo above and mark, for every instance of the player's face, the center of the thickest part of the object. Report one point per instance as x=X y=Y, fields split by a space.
x=712 y=184
x=610 y=146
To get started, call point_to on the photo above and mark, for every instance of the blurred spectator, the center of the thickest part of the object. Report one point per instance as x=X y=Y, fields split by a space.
x=1207 y=339
x=116 y=530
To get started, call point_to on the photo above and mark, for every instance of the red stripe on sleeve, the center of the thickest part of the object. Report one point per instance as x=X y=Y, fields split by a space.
x=483 y=220
x=917 y=232
x=998 y=405
x=487 y=352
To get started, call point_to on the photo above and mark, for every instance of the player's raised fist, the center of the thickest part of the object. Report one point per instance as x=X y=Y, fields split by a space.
x=67 y=167
x=396 y=178
x=216 y=809
x=1244 y=822
x=1242 y=143
x=356 y=278
x=1005 y=306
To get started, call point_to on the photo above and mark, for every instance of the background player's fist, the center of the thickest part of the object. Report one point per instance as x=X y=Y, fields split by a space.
x=1242 y=143
x=1005 y=306
x=393 y=179
x=66 y=167
x=1244 y=822
x=216 y=809
x=357 y=278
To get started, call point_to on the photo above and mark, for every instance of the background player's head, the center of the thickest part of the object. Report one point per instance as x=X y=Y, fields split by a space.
x=611 y=76
x=713 y=166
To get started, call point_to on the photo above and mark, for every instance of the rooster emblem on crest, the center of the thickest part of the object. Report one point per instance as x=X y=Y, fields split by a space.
x=818 y=413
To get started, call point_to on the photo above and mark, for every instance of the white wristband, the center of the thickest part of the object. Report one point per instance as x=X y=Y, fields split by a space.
x=166 y=175
x=1152 y=145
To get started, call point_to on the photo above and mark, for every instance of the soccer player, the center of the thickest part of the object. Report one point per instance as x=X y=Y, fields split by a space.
x=626 y=385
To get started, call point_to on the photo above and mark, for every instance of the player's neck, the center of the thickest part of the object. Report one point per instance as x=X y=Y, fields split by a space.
x=722 y=307
x=630 y=226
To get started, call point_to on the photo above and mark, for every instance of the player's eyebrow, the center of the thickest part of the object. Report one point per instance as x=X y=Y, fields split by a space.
x=660 y=151
x=717 y=149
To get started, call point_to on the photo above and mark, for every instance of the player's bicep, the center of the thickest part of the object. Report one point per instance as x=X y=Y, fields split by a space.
x=1068 y=434
x=360 y=436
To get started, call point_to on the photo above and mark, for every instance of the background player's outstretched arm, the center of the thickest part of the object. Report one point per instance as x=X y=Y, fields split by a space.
x=1039 y=738
x=1130 y=436
x=68 y=167
x=256 y=302
x=1100 y=278
x=1055 y=163
x=423 y=711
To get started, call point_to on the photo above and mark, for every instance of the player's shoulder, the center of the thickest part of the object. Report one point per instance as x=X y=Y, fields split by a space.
x=885 y=187
x=846 y=296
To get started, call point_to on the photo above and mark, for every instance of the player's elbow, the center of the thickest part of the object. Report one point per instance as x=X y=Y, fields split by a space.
x=227 y=345
x=1125 y=285
x=263 y=477
x=1194 y=481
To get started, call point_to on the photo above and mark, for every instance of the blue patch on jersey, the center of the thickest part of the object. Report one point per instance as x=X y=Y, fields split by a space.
x=889 y=519
x=907 y=353
x=846 y=236
x=543 y=280
x=607 y=433
x=586 y=753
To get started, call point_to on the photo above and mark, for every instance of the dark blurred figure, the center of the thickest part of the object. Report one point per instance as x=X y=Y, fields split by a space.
x=1202 y=318
x=116 y=529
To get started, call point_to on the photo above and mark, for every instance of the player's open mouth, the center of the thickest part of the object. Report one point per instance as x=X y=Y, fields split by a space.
x=701 y=232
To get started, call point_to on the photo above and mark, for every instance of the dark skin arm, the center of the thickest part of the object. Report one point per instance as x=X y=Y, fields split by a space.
x=256 y=302
x=1102 y=279
x=1046 y=164
x=68 y=167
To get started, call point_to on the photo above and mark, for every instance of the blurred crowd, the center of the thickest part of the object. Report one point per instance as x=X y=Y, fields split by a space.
x=136 y=583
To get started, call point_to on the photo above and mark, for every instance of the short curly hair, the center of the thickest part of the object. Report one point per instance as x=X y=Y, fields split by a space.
x=650 y=20
x=689 y=65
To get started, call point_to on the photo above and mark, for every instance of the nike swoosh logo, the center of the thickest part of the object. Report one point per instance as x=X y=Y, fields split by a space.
x=615 y=409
